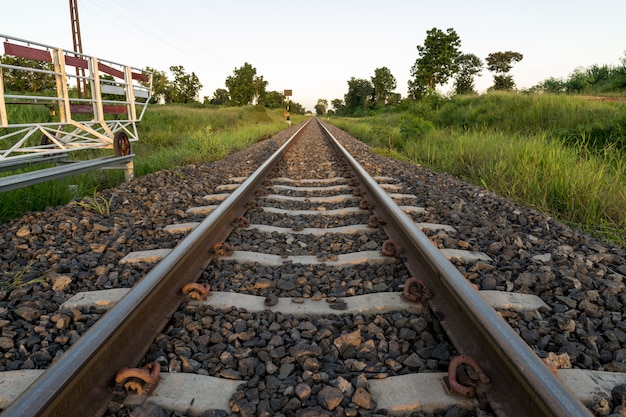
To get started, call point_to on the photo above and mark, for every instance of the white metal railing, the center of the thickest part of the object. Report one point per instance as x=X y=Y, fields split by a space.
x=56 y=120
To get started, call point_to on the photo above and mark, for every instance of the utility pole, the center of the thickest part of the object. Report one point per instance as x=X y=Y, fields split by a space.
x=78 y=47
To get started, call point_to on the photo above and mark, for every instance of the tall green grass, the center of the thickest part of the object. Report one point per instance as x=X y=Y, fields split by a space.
x=169 y=136
x=517 y=152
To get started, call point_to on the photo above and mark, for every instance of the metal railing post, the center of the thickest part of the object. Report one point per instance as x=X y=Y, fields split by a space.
x=96 y=97
x=65 y=113
x=130 y=94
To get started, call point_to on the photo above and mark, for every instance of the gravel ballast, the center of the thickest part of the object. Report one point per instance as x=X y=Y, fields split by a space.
x=67 y=249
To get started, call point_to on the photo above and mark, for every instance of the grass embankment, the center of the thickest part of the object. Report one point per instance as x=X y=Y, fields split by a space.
x=564 y=155
x=169 y=136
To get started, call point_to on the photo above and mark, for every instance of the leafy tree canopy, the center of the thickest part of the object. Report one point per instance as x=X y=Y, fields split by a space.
x=469 y=66
x=338 y=105
x=359 y=95
x=160 y=85
x=437 y=61
x=296 y=108
x=502 y=62
x=321 y=106
x=184 y=88
x=274 y=100
x=220 y=97
x=384 y=83
x=244 y=85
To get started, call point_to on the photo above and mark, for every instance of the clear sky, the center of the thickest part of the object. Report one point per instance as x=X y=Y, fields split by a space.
x=314 y=48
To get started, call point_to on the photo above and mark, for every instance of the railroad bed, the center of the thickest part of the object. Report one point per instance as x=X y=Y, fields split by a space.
x=305 y=316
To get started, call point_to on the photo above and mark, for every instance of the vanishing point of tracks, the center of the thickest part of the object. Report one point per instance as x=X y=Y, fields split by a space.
x=318 y=295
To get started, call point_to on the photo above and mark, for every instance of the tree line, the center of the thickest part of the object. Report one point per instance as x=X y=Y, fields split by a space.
x=440 y=61
x=243 y=87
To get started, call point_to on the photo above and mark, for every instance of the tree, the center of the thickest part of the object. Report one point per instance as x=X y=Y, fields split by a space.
x=469 y=66
x=551 y=85
x=260 y=90
x=338 y=105
x=160 y=85
x=321 y=106
x=244 y=85
x=274 y=100
x=437 y=61
x=184 y=88
x=384 y=83
x=394 y=99
x=501 y=63
x=296 y=108
x=359 y=95
x=220 y=97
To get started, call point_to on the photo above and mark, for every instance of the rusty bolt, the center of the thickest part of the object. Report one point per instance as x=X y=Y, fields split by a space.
x=141 y=380
x=197 y=291
x=455 y=386
x=240 y=222
x=251 y=205
x=375 y=221
x=223 y=249
x=391 y=248
x=415 y=290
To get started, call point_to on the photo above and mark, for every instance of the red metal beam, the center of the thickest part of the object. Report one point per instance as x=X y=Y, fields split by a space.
x=27 y=52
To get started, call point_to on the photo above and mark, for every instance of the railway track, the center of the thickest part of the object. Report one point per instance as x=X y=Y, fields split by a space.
x=305 y=316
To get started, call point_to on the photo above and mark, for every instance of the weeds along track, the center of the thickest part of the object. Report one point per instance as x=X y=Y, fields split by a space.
x=293 y=283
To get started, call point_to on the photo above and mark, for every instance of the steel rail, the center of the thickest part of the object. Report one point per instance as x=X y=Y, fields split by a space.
x=79 y=383
x=521 y=384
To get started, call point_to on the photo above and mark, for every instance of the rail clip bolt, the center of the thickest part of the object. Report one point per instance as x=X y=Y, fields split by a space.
x=391 y=248
x=415 y=290
x=197 y=291
x=141 y=380
x=356 y=191
x=223 y=249
x=253 y=205
x=364 y=204
x=455 y=386
x=375 y=221
x=240 y=221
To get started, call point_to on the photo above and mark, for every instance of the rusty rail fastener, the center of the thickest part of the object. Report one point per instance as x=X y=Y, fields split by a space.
x=197 y=291
x=364 y=204
x=356 y=191
x=391 y=248
x=455 y=386
x=240 y=221
x=253 y=205
x=141 y=380
x=415 y=290
x=223 y=249
x=375 y=221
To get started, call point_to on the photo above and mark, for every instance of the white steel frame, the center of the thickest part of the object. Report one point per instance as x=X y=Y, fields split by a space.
x=127 y=95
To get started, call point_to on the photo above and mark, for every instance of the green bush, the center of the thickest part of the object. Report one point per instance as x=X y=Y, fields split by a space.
x=414 y=127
